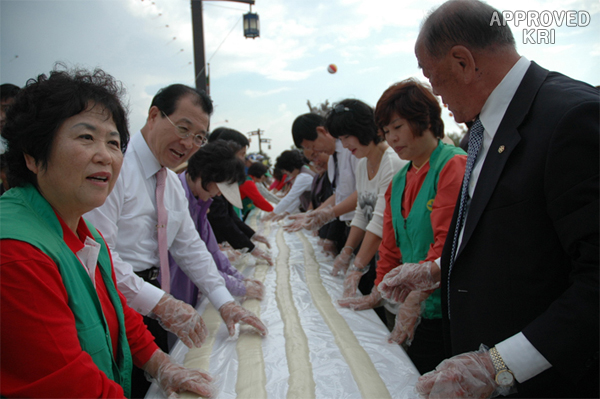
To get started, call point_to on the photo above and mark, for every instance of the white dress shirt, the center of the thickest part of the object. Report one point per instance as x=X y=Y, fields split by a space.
x=128 y=220
x=345 y=184
x=291 y=202
x=519 y=355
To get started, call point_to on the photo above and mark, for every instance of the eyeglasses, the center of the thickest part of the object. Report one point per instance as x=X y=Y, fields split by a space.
x=340 y=108
x=184 y=133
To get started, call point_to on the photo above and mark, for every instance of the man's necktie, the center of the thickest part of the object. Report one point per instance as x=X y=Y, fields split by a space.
x=161 y=212
x=475 y=140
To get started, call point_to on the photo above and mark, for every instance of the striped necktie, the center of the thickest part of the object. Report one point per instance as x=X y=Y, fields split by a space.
x=475 y=141
x=161 y=212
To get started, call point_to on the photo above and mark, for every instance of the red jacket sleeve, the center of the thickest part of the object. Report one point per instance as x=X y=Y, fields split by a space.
x=389 y=253
x=40 y=354
x=448 y=189
x=249 y=190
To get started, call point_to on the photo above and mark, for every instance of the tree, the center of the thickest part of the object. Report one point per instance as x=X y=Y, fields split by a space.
x=320 y=109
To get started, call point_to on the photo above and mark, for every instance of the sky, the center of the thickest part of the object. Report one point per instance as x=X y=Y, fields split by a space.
x=265 y=83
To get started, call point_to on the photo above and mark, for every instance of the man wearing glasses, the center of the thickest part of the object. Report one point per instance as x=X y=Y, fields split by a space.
x=177 y=125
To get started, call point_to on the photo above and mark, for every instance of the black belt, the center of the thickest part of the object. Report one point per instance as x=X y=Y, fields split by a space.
x=149 y=274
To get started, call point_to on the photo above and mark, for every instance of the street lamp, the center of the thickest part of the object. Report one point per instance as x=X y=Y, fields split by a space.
x=251 y=25
x=198 y=34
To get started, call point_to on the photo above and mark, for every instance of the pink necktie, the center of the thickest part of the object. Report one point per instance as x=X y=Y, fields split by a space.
x=161 y=211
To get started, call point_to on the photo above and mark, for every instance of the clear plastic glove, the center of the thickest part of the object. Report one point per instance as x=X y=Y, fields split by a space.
x=407 y=319
x=254 y=289
x=261 y=238
x=329 y=248
x=259 y=253
x=469 y=374
x=232 y=254
x=233 y=313
x=370 y=301
x=268 y=216
x=355 y=272
x=399 y=282
x=181 y=319
x=173 y=378
x=279 y=217
x=319 y=218
x=297 y=222
x=342 y=261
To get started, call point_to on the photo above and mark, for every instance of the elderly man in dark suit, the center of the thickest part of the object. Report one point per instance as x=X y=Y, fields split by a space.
x=519 y=271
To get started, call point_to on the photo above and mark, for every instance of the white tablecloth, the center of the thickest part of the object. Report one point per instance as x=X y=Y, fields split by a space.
x=334 y=373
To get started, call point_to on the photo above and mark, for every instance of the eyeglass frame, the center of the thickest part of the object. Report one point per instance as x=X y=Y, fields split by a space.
x=185 y=134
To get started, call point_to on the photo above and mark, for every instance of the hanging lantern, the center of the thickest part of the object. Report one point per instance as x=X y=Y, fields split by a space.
x=251 y=25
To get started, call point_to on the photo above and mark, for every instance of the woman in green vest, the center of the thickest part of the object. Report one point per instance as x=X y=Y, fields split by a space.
x=420 y=203
x=66 y=329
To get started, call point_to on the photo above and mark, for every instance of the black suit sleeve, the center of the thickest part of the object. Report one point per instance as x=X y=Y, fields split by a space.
x=227 y=226
x=567 y=333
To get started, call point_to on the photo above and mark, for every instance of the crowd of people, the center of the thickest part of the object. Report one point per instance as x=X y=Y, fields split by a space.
x=482 y=262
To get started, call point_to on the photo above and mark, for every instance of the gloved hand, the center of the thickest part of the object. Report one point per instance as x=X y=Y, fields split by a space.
x=407 y=319
x=399 y=282
x=355 y=272
x=329 y=248
x=342 y=261
x=319 y=218
x=181 y=319
x=259 y=253
x=254 y=289
x=260 y=238
x=173 y=378
x=361 y=303
x=298 y=222
x=470 y=374
x=232 y=313
x=279 y=217
x=232 y=254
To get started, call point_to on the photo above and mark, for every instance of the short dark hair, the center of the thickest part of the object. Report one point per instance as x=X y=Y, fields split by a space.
x=290 y=160
x=8 y=90
x=167 y=98
x=413 y=101
x=354 y=118
x=42 y=106
x=227 y=134
x=216 y=163
x=467 y=23
x=305 y=128
x=257 y=169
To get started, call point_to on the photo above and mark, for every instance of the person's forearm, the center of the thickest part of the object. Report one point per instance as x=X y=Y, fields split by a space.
x=347 y=205
x=368 y=247
x=354 y=237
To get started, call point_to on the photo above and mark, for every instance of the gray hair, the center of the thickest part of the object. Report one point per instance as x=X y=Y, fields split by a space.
x=467 y=23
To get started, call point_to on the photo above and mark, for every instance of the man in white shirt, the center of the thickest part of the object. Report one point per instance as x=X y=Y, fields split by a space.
x=177 y=125
x=519 y=271
x=309 y=133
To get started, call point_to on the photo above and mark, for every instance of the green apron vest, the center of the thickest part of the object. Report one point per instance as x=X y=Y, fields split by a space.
x=26 y=216
x=414 y=235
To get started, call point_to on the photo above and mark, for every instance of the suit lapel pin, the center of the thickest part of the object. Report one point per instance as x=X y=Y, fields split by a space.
x=501 y=149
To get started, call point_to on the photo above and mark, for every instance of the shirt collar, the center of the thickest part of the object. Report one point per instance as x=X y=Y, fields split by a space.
x=75 y=242
x=498 y=101
x=148 y=161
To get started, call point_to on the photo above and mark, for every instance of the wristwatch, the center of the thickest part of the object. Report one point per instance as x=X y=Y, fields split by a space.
x=504 y=377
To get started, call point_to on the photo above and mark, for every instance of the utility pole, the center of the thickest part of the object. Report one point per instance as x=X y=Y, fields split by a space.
x=257 y=132
x=198 y=36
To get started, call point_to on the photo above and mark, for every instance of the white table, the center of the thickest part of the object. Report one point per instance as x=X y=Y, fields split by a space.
x=339 y=353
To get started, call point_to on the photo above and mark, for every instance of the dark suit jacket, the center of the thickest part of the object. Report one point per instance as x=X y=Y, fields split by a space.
x=528 y=261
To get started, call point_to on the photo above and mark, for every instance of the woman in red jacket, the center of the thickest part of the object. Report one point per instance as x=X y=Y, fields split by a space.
x=67 y=330
x=251 y=197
